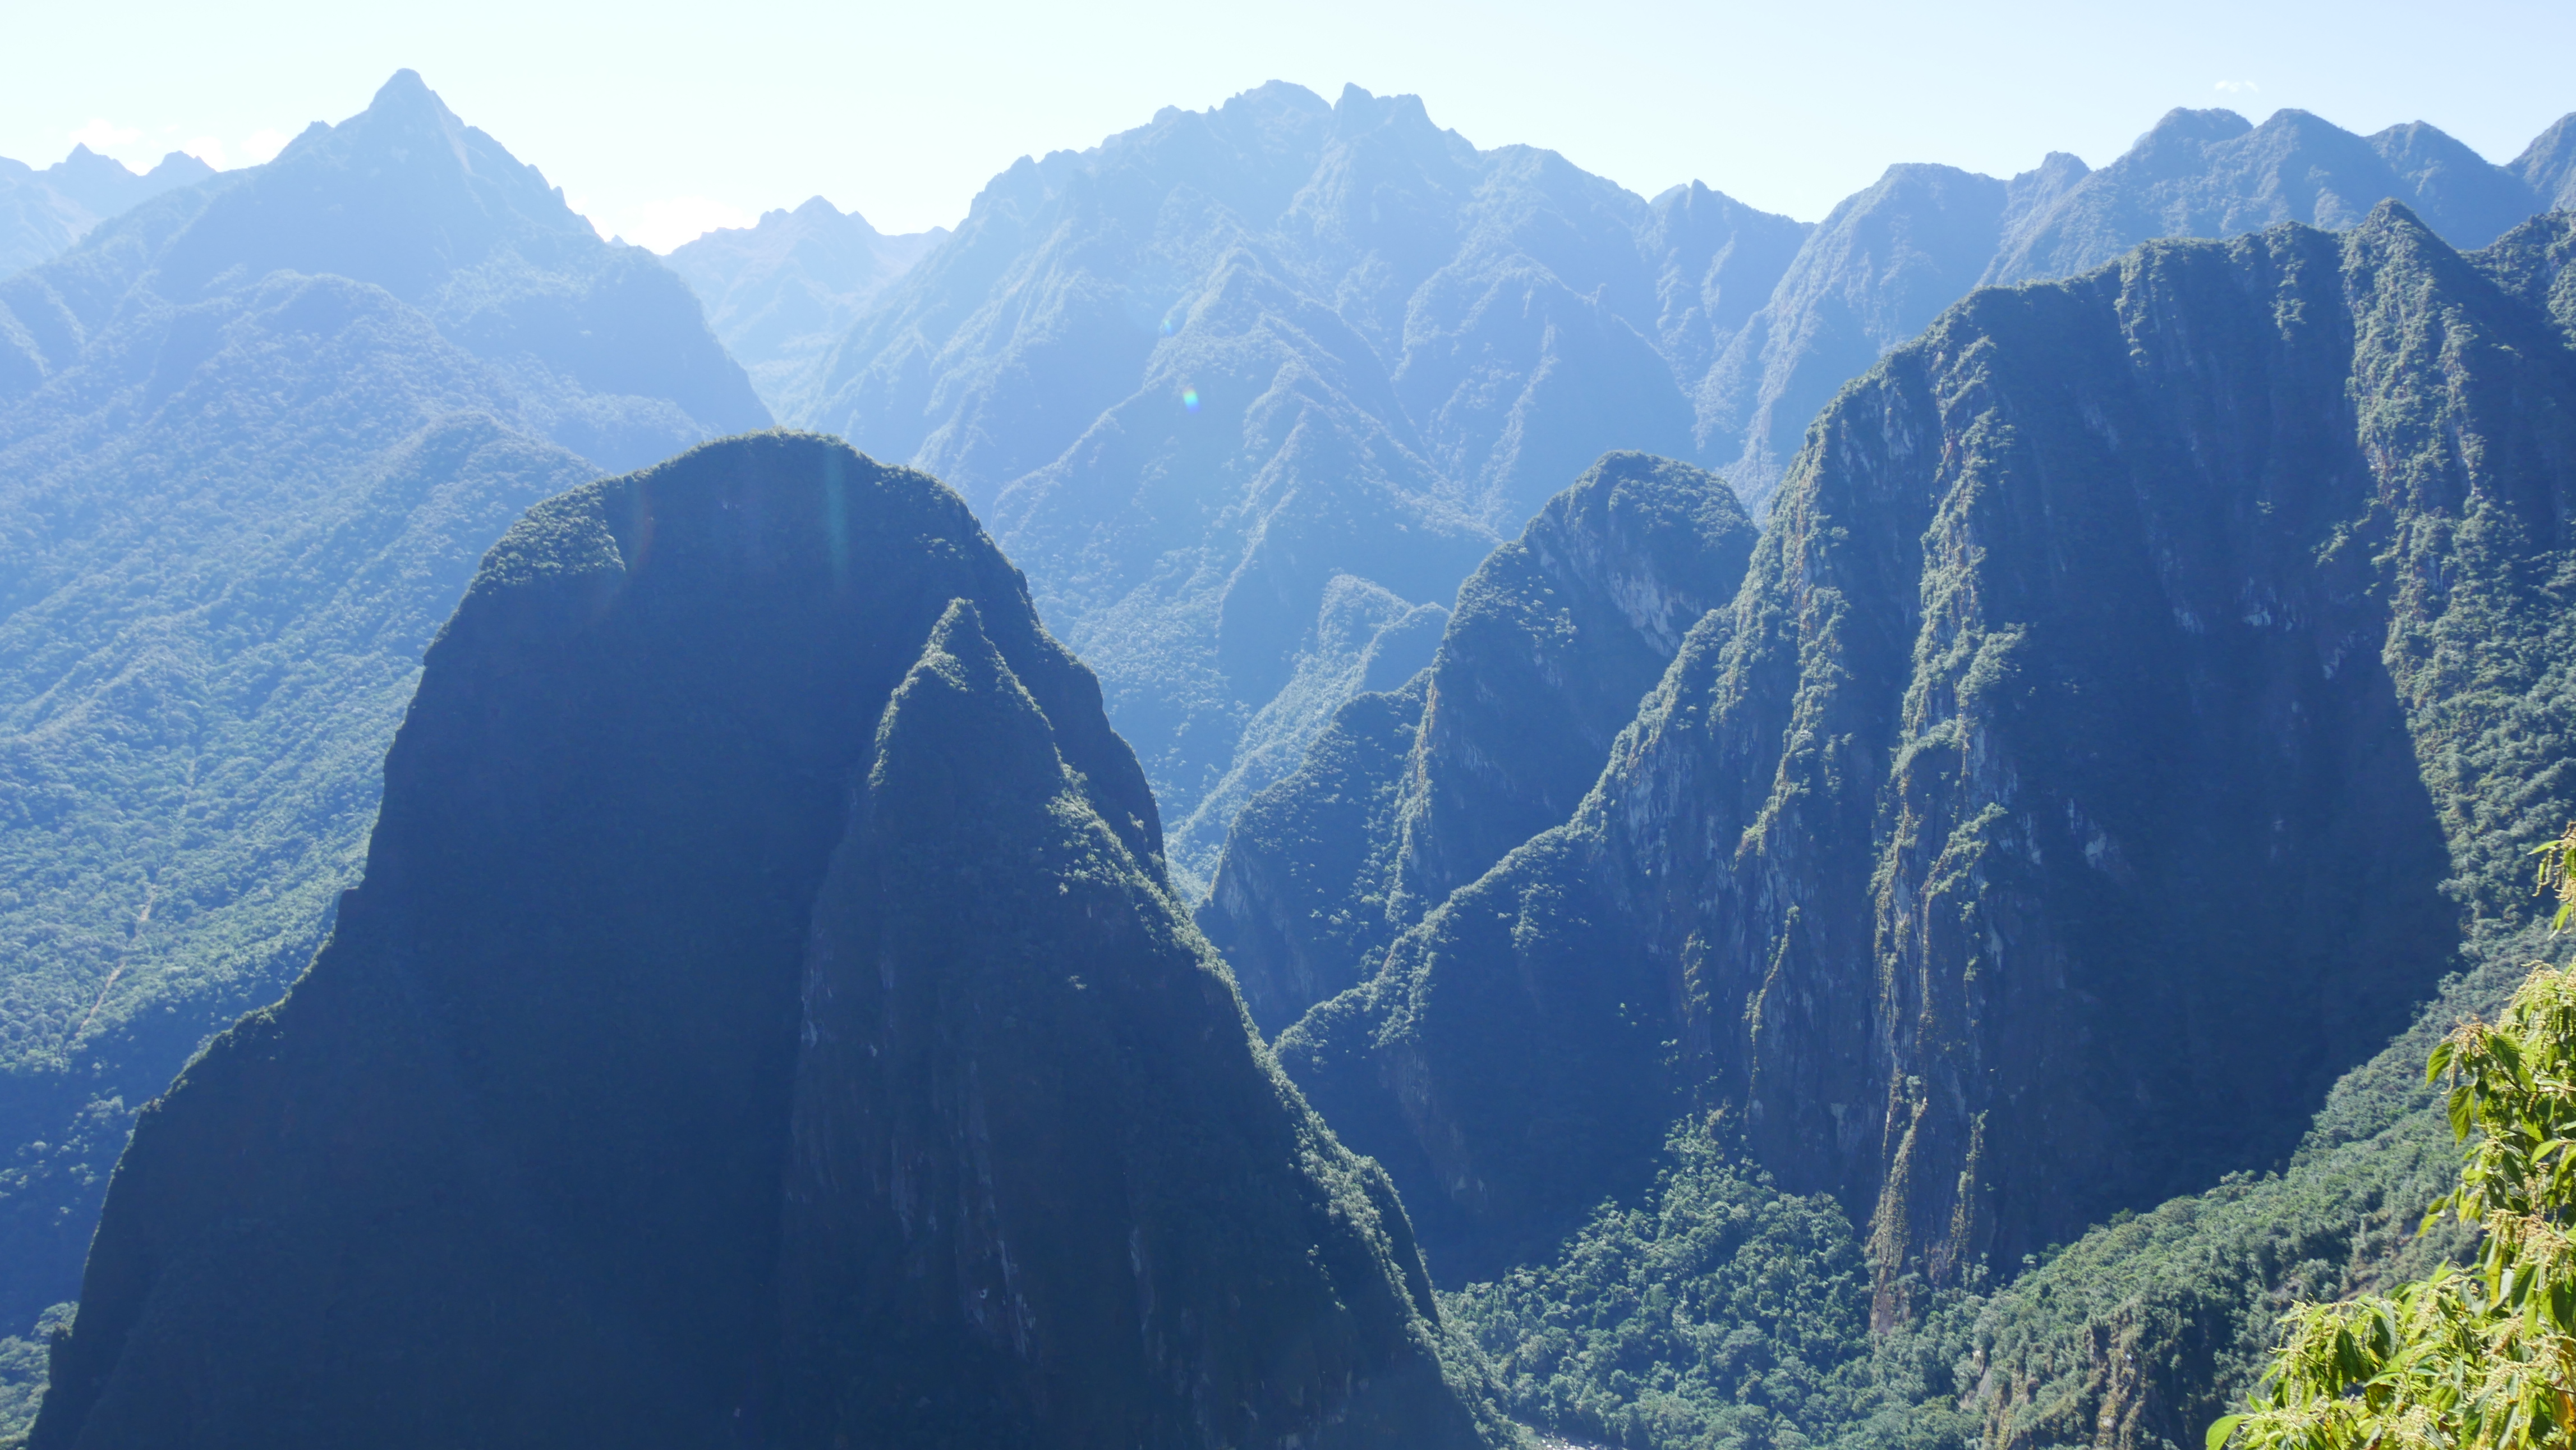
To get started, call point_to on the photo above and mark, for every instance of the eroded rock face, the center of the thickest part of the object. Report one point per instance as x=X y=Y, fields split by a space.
x=1042 y=1172
x=1976 y=850
x=565 y=1136
x=1411 y=793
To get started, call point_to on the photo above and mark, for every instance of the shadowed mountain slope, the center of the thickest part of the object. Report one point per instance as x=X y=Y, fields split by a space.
x=1557 y=637
x=763 y=1018
x=780 y=293
x=1975 y=852
x=261 y=429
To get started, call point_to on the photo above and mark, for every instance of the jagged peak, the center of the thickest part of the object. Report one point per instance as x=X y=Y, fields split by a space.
x=404 y=92
x=961 y=728
x=82 y=161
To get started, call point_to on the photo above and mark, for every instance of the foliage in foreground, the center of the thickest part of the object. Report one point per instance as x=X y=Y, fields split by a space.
x=2469 y=1358
x=1719 y=1312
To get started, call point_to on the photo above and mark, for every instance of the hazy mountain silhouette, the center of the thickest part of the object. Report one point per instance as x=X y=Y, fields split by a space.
x=1888 y=260
x=1195 y=375
x=780 y=293
x=43 y=212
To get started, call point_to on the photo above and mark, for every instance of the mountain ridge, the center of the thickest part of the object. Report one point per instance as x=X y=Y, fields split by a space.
x=756 y=923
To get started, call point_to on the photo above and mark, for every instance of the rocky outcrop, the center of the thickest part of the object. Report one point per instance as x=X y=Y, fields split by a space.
x=1555 y=640
x=1980 y=850
x=1041 y=1175
x=1406 y=796
x=582 y=1126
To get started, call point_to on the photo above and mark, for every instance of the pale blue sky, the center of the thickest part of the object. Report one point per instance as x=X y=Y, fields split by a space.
x=661 y=118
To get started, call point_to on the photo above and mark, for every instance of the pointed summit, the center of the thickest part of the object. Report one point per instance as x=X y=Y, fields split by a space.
x=961 y=739
x=754 y=1027
x=1037 y=1150
x=611 y=353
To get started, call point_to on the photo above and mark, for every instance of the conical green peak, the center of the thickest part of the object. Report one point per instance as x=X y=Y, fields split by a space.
x=961 y=744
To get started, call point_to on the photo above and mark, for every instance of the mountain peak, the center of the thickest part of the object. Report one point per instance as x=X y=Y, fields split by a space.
x=2186 y=126
x=961 y=737
x=405 y=90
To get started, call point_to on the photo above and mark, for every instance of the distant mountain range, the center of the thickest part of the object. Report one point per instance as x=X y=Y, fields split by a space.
x=43 y=212
x=1923 y=875
x=779 y=294
x=255 y=435
x=1212 y=375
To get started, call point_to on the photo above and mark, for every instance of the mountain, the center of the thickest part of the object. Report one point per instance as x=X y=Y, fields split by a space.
x=43 y=212
x=764 y=1018
x=1195 y=376
x=239 y=492
x=2548 y=165
x=1976 y=854
x=1891 y=258
x=1404 y=797
x=780 y=293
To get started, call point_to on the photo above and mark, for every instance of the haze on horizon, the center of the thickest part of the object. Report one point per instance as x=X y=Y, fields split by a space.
x=660 y=122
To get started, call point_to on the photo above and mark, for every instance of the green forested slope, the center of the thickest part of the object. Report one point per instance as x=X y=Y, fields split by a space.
x=1985 y=845
x=1556 y=637
x=764 y=1015
x=254 y=435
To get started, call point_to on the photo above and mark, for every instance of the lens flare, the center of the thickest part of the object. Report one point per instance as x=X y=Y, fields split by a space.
x=1190 y=399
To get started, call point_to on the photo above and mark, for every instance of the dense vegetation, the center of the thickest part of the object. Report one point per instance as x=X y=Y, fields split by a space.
x=1716 y=1312
x=667 y=1051
x=266 y=428
x=1964 y=852
x=2479 y=1358
x=1556 y=637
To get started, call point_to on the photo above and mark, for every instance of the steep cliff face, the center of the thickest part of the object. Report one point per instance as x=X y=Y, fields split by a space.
x=1977 y=850
x=1044 y=1185
x=1555 y=639
x=1299 y=906
x=1199 y=373
x=506 y=1166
